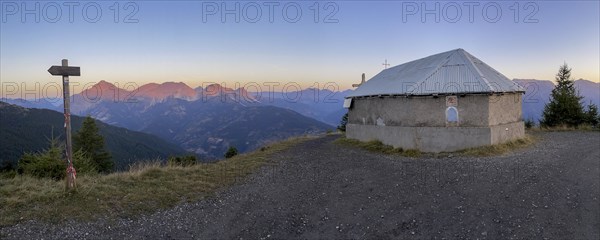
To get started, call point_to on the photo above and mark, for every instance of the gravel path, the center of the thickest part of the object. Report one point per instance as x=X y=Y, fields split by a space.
x=323 y=190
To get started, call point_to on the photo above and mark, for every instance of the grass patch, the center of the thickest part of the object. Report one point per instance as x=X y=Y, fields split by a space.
x=147 y=187
x=499 y=149
x=492 y=150
x=565 y=128
x=377 y=147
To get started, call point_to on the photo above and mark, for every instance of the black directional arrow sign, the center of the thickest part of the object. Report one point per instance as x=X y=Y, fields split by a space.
x=64 y=71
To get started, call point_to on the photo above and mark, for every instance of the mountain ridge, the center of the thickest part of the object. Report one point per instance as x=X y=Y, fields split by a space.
x=207 y=124
x=28 y=130
x=321 y=104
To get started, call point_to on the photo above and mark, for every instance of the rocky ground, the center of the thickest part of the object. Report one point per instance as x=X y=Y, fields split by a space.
x=323 y=190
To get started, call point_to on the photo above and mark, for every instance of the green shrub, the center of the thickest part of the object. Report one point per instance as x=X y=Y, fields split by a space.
x=183 y=161
x=51 y=163
x=232 y=151
x=529 y=123
x=47 y=164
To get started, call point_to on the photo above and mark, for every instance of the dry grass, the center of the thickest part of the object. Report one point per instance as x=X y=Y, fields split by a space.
x=499 y=149
x=492 y=150
x=378 y=147
x=145 y=188
x=565 y=128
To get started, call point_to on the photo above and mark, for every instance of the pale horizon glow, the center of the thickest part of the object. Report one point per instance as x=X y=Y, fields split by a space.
x=172 y=43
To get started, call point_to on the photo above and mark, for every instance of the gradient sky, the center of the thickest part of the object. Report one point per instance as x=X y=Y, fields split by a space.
x=172 y=42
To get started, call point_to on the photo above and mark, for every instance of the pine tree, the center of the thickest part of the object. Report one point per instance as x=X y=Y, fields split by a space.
x=565 y=106
x=591 y=115
x=88 y=140
x=232 y=151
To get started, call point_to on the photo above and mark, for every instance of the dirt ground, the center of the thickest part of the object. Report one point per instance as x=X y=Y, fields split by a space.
x=320 y=189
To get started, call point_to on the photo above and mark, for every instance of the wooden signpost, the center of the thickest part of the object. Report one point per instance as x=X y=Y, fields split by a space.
x=65 y=71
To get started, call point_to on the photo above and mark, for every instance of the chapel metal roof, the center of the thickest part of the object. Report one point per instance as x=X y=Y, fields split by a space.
x=451 y=72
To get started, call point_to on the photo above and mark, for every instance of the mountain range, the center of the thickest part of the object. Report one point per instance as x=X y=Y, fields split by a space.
x=205 y=121
x=29 y=130
x=208 y=120
x=322 y=105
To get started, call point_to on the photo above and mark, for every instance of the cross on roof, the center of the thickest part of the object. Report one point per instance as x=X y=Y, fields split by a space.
x=385 y=64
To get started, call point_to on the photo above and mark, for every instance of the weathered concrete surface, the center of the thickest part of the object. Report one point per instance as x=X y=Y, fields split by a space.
x=420 y=122
x=436 y=139
x=427 y=139
x=505 y=109
x=418 y=111
x=506 y=132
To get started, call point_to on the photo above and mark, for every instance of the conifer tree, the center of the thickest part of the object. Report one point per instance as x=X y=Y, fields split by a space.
x=591 y=115
x=88 y=140
x=565 y=106
x=232 y=151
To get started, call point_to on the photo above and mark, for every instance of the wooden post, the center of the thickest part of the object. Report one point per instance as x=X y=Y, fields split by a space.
x=68 y=148
x=65 y=71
